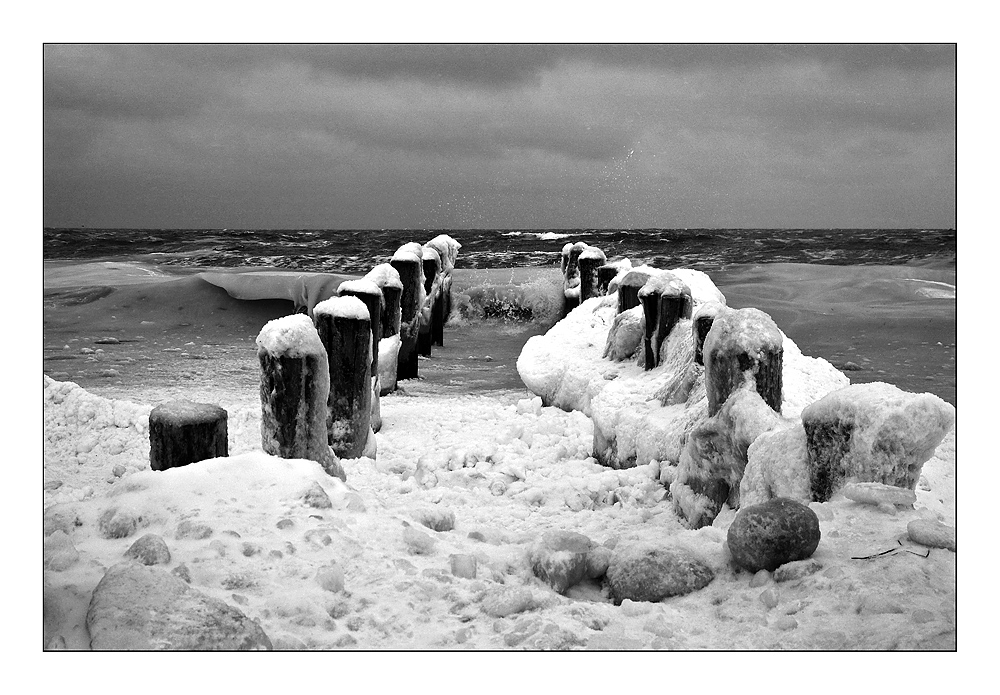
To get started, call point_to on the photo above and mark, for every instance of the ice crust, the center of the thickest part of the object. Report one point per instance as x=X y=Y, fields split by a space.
x=293 y=336
x=447 y=248
x=348 y=307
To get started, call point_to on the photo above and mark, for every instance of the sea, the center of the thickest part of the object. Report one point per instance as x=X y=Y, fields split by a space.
x=130 y=307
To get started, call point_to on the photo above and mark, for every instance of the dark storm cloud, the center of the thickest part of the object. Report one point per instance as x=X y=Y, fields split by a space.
x=531 y=135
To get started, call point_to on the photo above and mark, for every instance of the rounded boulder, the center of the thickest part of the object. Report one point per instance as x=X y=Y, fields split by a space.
x=648 y=572
x=767 y=535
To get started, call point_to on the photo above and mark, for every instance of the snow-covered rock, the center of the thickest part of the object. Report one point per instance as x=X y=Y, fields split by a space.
x=650 y=571
x=135 y=607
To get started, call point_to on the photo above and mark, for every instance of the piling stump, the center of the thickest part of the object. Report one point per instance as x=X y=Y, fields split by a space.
x=431 y=266
x=605 y=274
x=409 y=266
x=294 y=388
x=344 y=328
x=369 y=293
x=743 y=344
x=589 y=264
x=183 y=432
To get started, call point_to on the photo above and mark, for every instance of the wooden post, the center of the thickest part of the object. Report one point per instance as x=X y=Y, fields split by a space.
x=409 y=264
x=431 y=265
x=182 y=432
x=743 y=344
x=628 y=288
x=571 y=275
x=294 y=388
x=369 y=293
x=447 y=248
x=589 y=262
x=665 y=300
x=701 y=324
x=605 y=274
x=387 y=346
x=344 y=328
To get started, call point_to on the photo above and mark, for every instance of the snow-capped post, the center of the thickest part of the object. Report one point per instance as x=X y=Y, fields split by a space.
x=294 y=387
x=369 y=293
x=408 y=262
x=665 y=299
x=344 y=328
x=590 y=261
x=431 y=266
x=743 y=344
x=628 y=288
x=183 y=432
x=387 y=280
x=447 y=248
x=605 y=274
x=701 y=324
x=571 y=275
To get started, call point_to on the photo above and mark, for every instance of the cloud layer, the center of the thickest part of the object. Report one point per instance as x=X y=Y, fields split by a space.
x=455 y=136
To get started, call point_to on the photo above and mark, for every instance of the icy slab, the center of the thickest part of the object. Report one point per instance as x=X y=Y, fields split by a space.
x=347 y=307
x=291 y=336
x=872 y=433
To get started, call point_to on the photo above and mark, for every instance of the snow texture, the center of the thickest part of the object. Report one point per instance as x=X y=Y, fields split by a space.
x=363 y=286
x=384 y=275
x=292 y=336
x=348 y=307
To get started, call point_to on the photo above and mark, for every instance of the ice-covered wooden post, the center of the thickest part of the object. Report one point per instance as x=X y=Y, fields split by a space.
x=590 y=261
x=387 y=280
x=701 y=324
x=344 y=328
x=605 y=274
x=431 y=266
x=369 y=293
x=665 y=300
x=294 y=387
x=571 y=275
x=183 y=432
x=629 y=286
x=742 y=344
x=447 y=248
x=408 y=262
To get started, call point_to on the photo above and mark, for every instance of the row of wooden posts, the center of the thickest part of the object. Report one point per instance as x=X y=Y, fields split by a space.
x=323 y=394
x=665 y=300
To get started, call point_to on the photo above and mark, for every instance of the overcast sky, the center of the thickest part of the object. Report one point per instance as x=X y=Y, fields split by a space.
x=359 y=136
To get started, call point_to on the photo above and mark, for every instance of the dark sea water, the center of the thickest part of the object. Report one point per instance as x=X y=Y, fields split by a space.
x=355 y=251
x=878 y=304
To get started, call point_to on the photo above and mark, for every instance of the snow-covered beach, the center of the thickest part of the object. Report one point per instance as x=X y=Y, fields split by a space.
x=429 y=546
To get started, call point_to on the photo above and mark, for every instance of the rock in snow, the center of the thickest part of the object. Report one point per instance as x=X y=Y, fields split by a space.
x=149 y=550
x=145 y=608
x=932 y=533
x=765 y=536
x=651 y=572
x=560 y=558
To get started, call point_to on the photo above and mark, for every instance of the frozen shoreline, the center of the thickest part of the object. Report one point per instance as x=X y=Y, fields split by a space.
x=446 y=458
